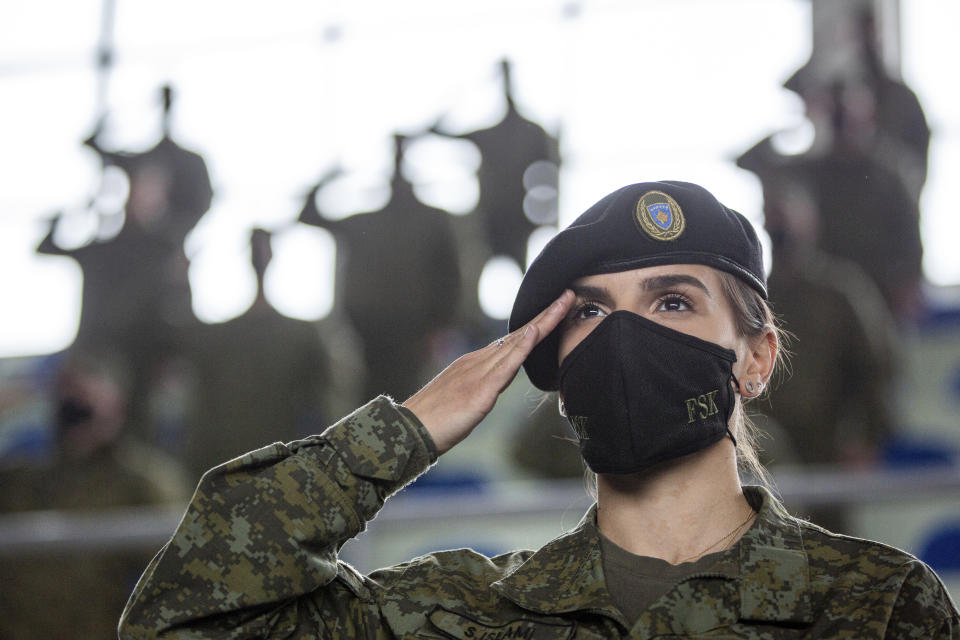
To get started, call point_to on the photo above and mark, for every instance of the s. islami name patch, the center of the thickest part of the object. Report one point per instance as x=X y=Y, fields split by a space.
x=659 y=216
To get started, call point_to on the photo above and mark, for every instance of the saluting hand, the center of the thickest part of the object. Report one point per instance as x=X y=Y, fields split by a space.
x=455 y=402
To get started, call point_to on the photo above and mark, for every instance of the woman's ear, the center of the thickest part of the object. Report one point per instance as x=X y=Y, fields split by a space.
x=760 y=359
x=562 y=407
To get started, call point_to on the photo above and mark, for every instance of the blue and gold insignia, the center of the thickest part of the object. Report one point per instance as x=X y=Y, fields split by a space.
x=659 y=216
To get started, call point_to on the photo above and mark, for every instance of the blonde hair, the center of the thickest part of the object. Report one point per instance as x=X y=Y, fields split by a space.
x=752 y=319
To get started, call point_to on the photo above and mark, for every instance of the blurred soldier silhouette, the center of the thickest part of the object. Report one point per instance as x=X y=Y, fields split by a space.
x=835 y=408
x=881 y=111
x=866 y=214
x=136 y=294
x=845 y=351
x=867 y=168
x=901 y=137
x=261 y=377
x=169 y=185
x=96 y=464
x=518 y=178
x=398 y=281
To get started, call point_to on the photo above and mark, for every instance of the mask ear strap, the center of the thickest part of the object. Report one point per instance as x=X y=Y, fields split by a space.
x=736 y=388
x=730 y=433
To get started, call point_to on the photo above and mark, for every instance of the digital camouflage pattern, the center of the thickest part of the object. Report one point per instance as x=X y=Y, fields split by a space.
x=256 y=557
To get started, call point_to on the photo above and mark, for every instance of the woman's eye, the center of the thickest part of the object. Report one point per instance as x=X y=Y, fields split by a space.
x=587 y=310
x=673 y=303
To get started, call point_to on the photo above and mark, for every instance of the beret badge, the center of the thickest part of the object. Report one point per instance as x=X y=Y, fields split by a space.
x=659 y=216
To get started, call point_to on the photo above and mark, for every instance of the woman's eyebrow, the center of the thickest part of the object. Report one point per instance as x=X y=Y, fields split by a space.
x=596 y=294
x=657 y=283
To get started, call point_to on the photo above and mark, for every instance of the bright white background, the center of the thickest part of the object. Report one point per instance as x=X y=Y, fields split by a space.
x=274 y=95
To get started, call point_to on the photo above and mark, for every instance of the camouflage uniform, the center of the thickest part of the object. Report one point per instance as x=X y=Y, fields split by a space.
x=255 y=557
x=88 y=586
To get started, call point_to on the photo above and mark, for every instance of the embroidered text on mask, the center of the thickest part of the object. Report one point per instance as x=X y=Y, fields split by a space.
x=703 y=406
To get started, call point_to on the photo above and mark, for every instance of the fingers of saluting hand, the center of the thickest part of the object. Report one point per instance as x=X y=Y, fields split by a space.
x=454 y=402
x=510 y=351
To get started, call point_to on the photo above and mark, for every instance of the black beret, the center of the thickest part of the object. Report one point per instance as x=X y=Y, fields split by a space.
x=640 y=225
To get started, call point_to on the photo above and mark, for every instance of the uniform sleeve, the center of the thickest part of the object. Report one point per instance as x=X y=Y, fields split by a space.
x=923 y=609
x=255 y=555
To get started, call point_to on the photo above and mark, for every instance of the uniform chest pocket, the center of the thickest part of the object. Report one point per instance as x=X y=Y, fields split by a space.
x=463 y=627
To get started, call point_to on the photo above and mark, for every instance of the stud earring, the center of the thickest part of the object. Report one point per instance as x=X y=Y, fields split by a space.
x=749 y=385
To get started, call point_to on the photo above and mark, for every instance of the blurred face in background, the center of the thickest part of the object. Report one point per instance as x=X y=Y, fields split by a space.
x=91 y=410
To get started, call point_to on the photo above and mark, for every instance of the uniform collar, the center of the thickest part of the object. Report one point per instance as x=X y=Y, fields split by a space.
x=769 y=568
x=563 y=576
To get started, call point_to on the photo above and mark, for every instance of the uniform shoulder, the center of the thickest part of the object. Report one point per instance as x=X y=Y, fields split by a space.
x=457 y=578
x=465 y=567
x=866 y=571
x=836 y=549
x=454 y=580
x=837 y=553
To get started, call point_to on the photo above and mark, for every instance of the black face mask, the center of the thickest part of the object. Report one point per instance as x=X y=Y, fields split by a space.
x=72 y=412
x=638 y=393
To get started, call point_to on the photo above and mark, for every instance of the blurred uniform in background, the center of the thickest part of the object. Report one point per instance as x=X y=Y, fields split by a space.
x=517 y=178
x=836 y=402
x=397 y=281
x=867 y=165
x=136 y=294
x=96 y=466
x=545 y=445
x=834 y=405
x=259 y=378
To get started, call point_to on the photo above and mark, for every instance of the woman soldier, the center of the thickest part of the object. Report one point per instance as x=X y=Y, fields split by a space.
x=648 y=315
